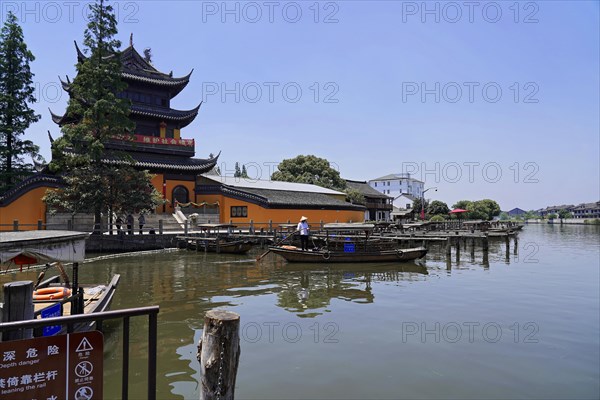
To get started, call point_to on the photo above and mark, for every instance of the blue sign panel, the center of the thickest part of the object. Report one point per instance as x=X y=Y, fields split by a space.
x=348 y=247
x=50 y=312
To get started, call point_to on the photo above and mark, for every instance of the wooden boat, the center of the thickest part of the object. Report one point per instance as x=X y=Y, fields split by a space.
x=222 y=246
x=216 y=239
x=58 y=295
x=351 y=249
x=294 y=254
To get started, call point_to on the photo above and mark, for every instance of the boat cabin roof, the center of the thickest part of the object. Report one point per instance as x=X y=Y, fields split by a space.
x=216 y=226
x=44 y=246
x=348 y=227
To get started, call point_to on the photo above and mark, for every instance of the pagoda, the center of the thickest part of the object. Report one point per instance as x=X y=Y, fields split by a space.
x=157 y=144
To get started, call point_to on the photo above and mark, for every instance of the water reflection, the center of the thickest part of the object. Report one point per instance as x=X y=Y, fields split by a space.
x=308 y=289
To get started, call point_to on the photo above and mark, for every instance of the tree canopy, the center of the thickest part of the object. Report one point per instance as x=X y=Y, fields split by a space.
x=96 y=115
x=309 y=169
x=16 y=94
x=485 y=209
x=437 y=207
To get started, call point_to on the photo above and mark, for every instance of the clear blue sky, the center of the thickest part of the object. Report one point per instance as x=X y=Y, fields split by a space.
x=402 y=86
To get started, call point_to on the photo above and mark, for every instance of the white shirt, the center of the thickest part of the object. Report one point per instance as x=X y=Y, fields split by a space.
x=303 y=227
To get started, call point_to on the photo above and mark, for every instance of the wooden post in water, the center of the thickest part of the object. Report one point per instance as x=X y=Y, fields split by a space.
x=186 y=227
x=448 y=246
x=516 y=245
x=251 y=229
x=219 y=355
x=457 y=249
x=270 y=226
x=18 y=306
x=485 y=244
x=160 y=226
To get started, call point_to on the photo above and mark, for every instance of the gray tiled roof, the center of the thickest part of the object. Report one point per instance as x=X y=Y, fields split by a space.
x=243 y=183
x=366 y=190
x=391 y=177
x=301 y=199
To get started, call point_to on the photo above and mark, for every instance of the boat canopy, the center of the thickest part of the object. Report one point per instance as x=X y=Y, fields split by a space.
x=216 y=226
x=43 y=246
x=348 y=227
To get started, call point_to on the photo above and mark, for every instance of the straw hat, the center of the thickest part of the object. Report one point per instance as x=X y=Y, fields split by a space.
x=303 y=219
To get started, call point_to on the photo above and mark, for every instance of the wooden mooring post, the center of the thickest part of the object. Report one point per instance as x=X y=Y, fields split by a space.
x=18 y=306
x=219 y=355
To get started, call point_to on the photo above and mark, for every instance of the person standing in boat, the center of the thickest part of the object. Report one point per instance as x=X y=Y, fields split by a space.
x=304 y=232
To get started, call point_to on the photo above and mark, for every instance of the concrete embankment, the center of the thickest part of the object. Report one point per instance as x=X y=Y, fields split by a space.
x=125 y=243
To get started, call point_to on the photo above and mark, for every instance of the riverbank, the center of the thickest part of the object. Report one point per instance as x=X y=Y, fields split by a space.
x=566 y=221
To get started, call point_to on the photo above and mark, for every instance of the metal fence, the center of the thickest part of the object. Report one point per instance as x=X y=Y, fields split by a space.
x=125 y=315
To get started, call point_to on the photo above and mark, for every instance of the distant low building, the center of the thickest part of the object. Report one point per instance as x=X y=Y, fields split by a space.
x=587 y=210
x=516 y=212
x=402 y=215
x=379 y=206
x=404 y=201
x=582 y=211
x=395 y=185
x=543 y=212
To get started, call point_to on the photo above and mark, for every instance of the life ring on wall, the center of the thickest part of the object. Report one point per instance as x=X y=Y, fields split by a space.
x=399 y=253
x=54 y=293
x=326 y=255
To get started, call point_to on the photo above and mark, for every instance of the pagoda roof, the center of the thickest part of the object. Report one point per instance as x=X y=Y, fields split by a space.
x=137 y=69
x=162 y=162
x=182 y=117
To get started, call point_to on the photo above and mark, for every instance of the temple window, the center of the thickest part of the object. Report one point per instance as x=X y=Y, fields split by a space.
x=239 y=211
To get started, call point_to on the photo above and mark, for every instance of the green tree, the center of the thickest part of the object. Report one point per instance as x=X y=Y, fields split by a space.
x=504 y=216
x=16 y=94
x=354 y=196
x=437 y=207
x=96 y=115
x=122 y=189
x=238 y=171
x=309 y=169
x=417 y=206
x=562 y=214
x=244 y=172
x=551 y=216
x=492 y=208
x=463 y=204
x=437 y=218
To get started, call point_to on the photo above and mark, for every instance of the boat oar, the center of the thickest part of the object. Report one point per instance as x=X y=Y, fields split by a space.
x=276 y=244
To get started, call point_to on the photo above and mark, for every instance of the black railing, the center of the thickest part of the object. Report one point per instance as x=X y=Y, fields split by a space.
x=72 y=320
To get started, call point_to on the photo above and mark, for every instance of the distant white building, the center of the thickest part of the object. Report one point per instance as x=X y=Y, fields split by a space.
x=401 y=187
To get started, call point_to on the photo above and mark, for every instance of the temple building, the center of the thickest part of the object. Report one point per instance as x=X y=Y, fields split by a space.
x=157 y=144
x=159 y=147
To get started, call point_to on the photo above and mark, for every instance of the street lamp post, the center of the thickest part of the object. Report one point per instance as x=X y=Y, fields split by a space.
x=423 y=202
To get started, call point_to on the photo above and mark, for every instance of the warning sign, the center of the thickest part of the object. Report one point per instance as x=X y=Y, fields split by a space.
x=52 y=367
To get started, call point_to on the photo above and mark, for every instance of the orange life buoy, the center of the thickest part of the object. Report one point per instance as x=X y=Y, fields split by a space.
x=52 y=293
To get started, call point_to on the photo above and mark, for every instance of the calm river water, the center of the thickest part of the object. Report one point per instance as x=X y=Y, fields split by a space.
x=518 y=326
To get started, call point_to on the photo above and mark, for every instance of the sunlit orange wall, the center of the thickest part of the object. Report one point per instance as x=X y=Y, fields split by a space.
x=257 y=213
x=27 y=209
x=157 y=181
